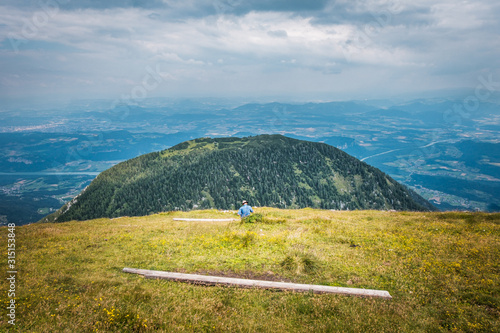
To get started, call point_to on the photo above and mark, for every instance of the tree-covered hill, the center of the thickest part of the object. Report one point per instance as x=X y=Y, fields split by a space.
x=266 y=170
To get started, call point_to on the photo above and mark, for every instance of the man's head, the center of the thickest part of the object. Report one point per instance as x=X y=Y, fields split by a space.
x=244 y=202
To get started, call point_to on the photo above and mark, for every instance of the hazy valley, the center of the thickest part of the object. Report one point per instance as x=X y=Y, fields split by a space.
x=450 y=157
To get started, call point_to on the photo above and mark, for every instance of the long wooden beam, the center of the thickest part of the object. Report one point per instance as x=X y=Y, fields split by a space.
x=205 y=220
x=214 y=280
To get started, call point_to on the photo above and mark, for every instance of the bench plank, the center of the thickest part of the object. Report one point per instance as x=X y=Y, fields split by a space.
x=214 y=280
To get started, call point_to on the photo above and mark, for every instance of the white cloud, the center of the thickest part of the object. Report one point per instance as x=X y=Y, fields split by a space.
x=343 y=47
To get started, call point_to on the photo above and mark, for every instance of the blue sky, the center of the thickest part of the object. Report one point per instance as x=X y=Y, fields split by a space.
x=314 y=49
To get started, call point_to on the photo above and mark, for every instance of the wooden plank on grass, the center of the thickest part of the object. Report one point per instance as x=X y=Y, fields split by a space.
x=214 y=280
x=206 y=220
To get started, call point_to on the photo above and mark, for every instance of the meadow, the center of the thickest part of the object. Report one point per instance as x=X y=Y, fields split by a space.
x=442 y=270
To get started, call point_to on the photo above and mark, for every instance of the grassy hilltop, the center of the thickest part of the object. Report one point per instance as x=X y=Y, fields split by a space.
x=442 y=270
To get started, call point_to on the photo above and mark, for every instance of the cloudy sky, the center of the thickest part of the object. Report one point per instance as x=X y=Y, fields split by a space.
x=257 y=48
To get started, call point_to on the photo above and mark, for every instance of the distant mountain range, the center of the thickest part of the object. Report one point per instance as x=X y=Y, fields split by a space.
x=266 y=170
x=447 y=154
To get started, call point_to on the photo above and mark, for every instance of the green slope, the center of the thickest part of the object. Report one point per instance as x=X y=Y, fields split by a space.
x=266 y=170
x=442 y=270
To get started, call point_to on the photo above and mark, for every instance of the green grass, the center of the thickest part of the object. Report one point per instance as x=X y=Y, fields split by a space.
x=442 y=269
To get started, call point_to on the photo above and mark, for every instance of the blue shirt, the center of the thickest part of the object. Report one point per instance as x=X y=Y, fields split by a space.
x=245 y=210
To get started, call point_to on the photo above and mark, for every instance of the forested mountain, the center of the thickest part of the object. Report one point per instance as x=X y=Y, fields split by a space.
x=266 y=170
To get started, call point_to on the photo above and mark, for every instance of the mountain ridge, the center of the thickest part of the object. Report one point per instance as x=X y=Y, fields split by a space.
x=266 y=170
